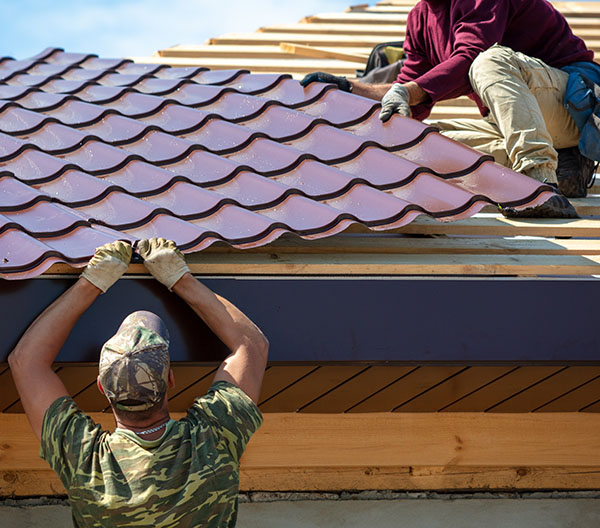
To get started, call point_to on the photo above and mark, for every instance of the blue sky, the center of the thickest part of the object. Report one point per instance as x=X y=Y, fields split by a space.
x=117 y=28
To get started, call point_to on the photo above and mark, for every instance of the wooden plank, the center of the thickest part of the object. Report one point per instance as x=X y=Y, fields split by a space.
x=273 y=51
x=496 y=225
x=434 y=440
x=418 y=478
x=259 y=65
x=392 y=264
x=579 y=398
x=92 y=400
x=224 y=51
x=595 y=407
x=364 y=264
x=384 y=244
x=502 y=388
x=547 y=390
x=426 y=439
x=384 y=32
x=453 y=389
x=357 y=389
x=277 y=378
x=75 y=379
x=404 y=389
x=184 y=399
x=311 y=51
x=309 y=388
x=398 y=17
x=185 y=377
x=410 y=478
x=8 y=394
x=273 y=38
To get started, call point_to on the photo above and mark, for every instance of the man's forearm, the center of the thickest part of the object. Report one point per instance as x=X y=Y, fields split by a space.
x=47 y=334
x=372 y=91
x=227 y=321
x=376 y=91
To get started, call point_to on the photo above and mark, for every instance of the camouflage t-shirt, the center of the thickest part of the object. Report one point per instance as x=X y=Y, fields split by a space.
x=187 y=478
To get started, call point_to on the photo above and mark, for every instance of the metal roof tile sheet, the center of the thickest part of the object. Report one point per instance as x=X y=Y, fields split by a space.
x=93 y=149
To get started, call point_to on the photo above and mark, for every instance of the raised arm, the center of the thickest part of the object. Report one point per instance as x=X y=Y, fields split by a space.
x=249 y=347
x=31 y=360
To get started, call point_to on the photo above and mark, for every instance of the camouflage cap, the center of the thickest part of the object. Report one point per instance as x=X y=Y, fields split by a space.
x=134 y=363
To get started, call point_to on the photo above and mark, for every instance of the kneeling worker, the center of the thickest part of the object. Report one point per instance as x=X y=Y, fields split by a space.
x=152 y=471
x=506 y=55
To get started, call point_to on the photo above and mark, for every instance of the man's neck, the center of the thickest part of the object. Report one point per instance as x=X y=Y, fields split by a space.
x=158 y=420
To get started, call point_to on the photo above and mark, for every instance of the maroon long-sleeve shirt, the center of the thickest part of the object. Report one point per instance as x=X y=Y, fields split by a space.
x=443 y=37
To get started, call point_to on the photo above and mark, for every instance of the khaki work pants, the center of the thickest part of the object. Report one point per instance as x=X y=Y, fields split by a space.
x=527 y=119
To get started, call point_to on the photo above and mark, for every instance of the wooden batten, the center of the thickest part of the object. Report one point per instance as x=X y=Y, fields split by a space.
x=482 y=245
x=459 y=451
x=312 y=51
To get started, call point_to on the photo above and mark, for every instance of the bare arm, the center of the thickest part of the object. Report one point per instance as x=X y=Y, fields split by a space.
x=377 y=91
x=246 y=364
x=31 y=360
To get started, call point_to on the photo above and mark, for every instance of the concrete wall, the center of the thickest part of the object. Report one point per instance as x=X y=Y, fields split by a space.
x=367 y=509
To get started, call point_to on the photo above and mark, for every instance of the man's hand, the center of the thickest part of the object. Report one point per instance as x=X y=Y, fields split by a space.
x=163 y=260
x=395 y=101
x=107 y=265
x=341 y=82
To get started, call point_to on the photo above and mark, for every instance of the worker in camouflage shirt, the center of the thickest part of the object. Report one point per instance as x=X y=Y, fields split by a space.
x=152 y=470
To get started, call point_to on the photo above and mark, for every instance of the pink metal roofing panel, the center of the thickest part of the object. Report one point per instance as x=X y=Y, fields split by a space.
x=94 y=149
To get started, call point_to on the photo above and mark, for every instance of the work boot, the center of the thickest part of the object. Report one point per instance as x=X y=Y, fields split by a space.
x=557 y=206
x=575 y=172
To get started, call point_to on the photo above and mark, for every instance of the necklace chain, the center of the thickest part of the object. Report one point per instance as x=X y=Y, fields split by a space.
x=153 y=430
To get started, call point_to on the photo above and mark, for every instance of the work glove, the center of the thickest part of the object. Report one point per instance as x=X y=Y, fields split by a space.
x=163 y=260
x=395 y=101
x=107 y=265
x=341 y=82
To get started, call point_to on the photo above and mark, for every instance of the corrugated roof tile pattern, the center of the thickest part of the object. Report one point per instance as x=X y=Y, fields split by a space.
x=93 y=150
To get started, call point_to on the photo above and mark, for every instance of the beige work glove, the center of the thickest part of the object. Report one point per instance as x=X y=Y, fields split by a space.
x=395 y=101
x=107 y=265
x=163 y=260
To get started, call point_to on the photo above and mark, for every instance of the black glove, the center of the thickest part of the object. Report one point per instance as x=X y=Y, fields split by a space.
x=341 y=82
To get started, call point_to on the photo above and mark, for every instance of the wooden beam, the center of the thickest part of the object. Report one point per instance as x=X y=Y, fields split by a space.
x=435 y=451
x=374 y=244
x=365 y=264
x=496 y=225
x=309 y=39
x=383 y=31
x=274 y=51
x=311 y=51
x=258 y=65
x=417 y=478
